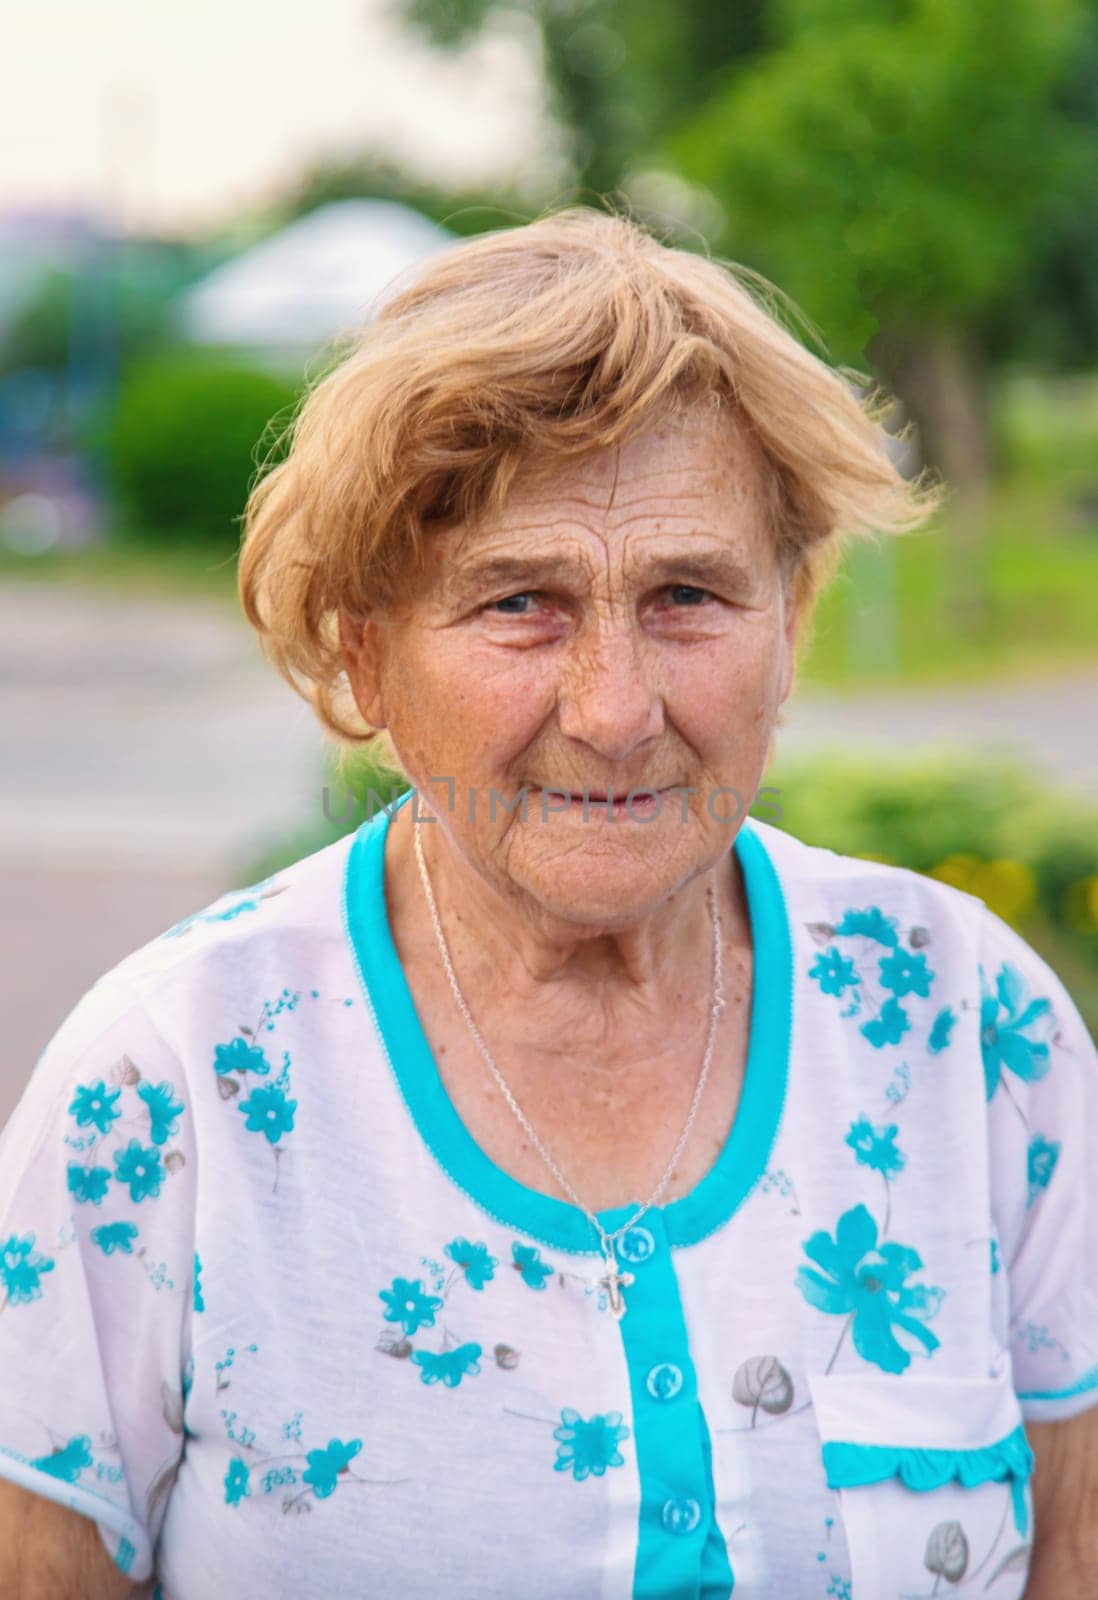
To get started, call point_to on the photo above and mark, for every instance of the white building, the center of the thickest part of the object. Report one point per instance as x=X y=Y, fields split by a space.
x=315 y=280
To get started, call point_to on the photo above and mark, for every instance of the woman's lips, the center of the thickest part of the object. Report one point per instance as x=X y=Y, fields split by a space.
x=631 y=802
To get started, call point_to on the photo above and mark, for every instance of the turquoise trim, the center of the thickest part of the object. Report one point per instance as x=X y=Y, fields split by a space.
x=850 y=1466
x=1086 y=1383
x=133 y=1541
x=746 y=1151
x=681 y=1552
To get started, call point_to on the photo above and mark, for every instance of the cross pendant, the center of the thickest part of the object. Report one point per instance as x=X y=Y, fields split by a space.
x=614 y=1282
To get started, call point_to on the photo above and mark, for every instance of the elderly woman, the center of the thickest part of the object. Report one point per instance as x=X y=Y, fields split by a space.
x=566 y=1184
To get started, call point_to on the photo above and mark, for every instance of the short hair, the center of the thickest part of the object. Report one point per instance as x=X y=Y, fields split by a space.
x=528 y=346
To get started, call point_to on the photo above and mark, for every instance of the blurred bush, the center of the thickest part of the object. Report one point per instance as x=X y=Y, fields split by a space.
x=187 y=436
x=982 y=825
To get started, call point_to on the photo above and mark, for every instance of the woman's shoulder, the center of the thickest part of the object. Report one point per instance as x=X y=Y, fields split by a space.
x=865 y=894
x=828 y=893
x=300 y=902
x=250 y=951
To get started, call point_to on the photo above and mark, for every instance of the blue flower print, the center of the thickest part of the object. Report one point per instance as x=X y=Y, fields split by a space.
x=888 y=1026
x=164 y=1110
x=326 y=1465
x=1042 y=1157
x=905 y=973
x=88 y=1185
x=1006 y=1020
x=873 y=1291
x=871 y=924
x=833 y=971
x=268 y=1111
x=473 y=1259
x=994 y=1257
x=876 y=1147
x=940 y=1030
x=240 y=1056
x=21 y=1269
x=95 y=1104
x=449 y=1367
x=236 y=1481
x=199 y=1303
x=407 y=1304
x=527 y=1260
x=250 y=902
x=69 y=1462
x=587 y=1448
x=140 y=1167
x=114 y=1236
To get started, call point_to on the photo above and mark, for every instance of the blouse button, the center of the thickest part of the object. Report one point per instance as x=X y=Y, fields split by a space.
x=664 y=1381
x=636 y=1245
x=681 y=1514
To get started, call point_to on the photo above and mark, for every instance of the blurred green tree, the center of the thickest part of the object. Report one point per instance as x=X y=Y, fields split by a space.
x=368 y=175
x=619 y=71
x=189 y=433
x=1052 y=318
x=896 y=165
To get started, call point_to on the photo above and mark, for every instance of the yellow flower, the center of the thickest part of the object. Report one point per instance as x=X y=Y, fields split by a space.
x=1081 y=904
x=1006 y=887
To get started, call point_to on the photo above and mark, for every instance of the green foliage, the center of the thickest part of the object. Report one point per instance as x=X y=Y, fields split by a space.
x=619 y=71
x=891 y=166
x=1052 y=318
x=1046 y=429
x=187 y=437
x=463 y=211
x=114 y=305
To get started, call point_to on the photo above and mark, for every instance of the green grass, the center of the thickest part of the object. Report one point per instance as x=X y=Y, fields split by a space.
x=130 y=565
x=1042 y=578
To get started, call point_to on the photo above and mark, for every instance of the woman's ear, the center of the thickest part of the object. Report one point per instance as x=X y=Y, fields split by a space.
x=360 y=648
x=791 y=622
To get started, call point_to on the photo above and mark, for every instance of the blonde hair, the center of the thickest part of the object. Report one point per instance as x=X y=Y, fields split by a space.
x=526 y=347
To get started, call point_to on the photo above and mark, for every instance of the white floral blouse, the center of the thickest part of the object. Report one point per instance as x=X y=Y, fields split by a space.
x=275 y=1322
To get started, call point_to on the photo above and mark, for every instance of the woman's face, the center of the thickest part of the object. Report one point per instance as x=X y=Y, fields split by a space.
x=620 y=626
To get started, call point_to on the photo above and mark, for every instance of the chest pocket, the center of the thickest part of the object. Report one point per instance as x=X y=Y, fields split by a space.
x=933 y=1480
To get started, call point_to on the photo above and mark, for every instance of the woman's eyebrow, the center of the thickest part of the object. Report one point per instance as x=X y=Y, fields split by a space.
x=705 y=568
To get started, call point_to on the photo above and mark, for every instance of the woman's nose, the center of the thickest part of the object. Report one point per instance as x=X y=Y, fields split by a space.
x=607 y=699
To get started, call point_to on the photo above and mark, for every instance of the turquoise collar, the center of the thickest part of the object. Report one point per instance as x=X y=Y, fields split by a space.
x=746 y=1151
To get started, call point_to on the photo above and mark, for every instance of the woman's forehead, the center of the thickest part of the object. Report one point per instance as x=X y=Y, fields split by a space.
x=684 y=456
x=682 y=502
x=694 y=479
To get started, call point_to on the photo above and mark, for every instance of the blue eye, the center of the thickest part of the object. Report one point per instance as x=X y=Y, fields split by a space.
x=525 y=594
x=694 y=595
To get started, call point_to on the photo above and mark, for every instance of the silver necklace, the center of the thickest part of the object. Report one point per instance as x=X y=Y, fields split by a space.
x=613 y=1280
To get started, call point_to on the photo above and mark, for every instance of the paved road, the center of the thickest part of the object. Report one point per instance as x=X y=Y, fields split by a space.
x=148 y=751
x=1050 y=722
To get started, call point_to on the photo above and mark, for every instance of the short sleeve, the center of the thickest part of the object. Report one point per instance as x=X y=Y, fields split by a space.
x=1041 y=1077
x=98 y=1273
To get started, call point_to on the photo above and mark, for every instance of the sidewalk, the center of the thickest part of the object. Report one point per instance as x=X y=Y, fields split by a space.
x=148 y=751
x=1050 y=722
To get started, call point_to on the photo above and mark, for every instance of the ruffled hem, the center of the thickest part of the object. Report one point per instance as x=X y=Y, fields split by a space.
x=850 y=1466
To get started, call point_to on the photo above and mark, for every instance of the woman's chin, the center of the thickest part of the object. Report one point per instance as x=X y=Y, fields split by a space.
x=600 y=887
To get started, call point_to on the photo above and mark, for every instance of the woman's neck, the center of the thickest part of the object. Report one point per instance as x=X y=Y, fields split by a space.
x=507 y=947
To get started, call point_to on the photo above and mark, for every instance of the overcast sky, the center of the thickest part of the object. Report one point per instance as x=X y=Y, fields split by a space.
x=177 y=116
